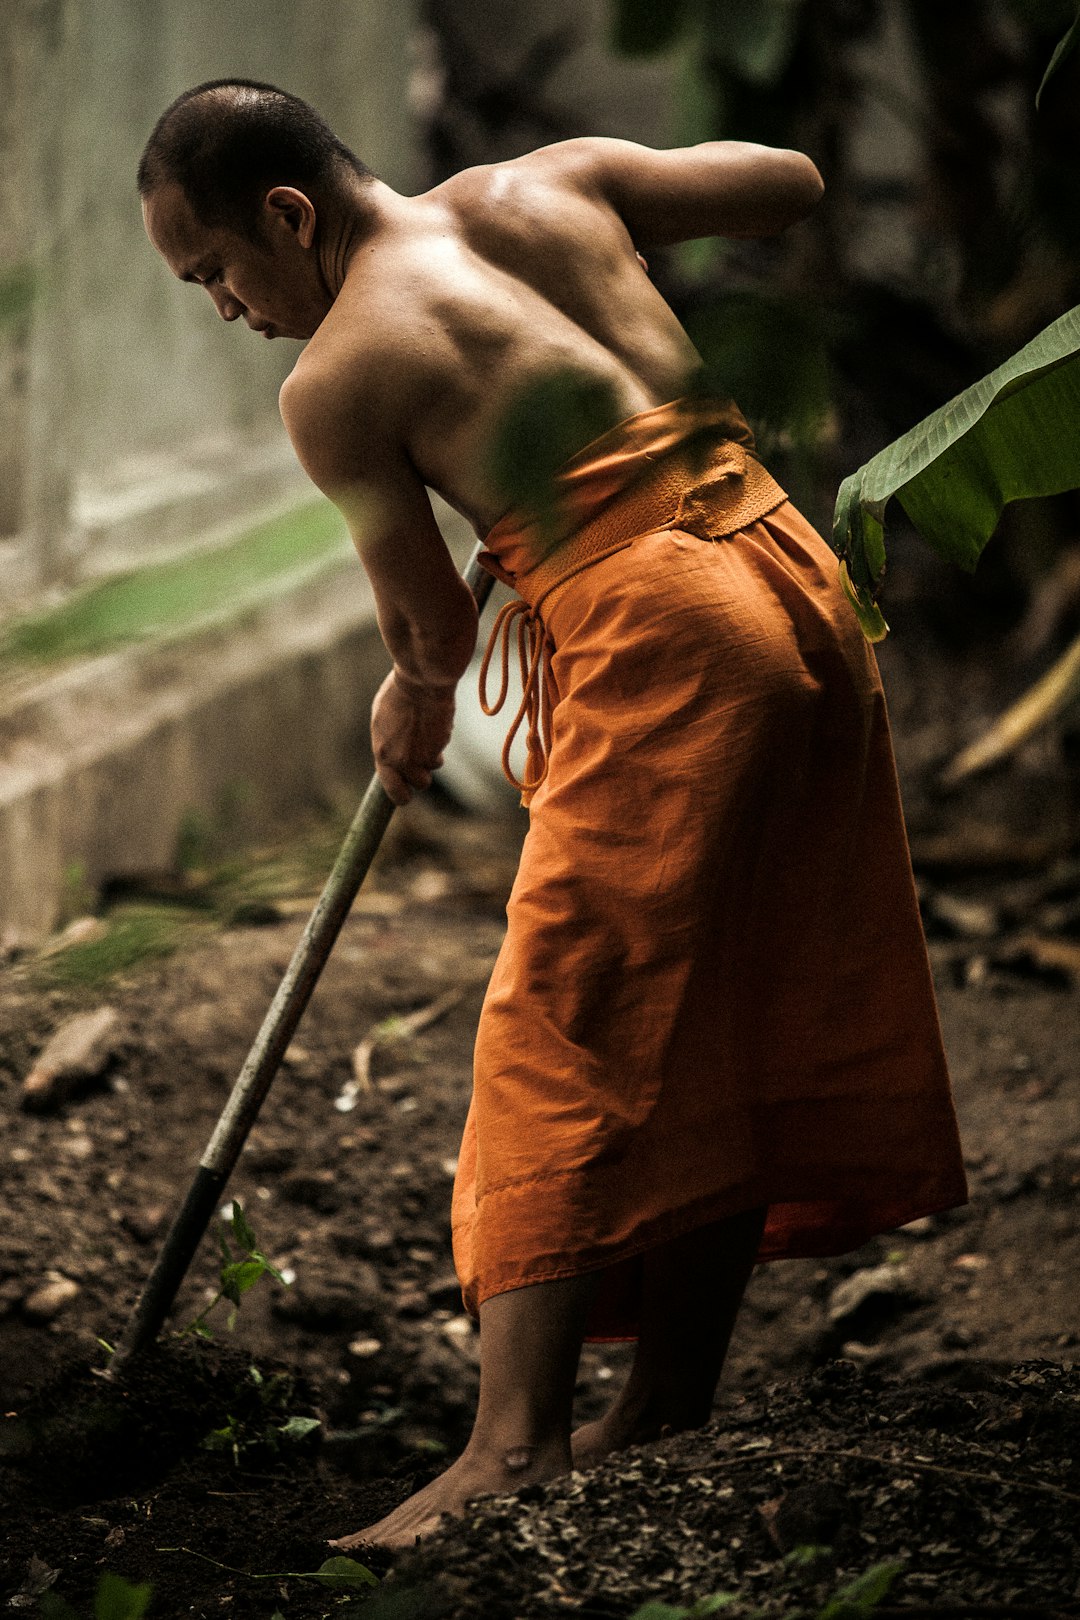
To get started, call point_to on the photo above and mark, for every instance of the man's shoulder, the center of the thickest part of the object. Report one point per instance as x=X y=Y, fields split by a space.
x=349 y=363
x=579 y=163
x=570 y=190
x=338 y=407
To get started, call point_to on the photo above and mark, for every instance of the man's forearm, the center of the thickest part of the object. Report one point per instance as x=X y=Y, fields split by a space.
x=434 y=651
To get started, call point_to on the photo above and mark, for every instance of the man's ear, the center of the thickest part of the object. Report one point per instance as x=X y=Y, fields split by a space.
x=285 y=205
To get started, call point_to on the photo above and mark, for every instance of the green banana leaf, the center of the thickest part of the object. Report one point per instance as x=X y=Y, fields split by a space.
x=1065 y=48
x=1010 y=436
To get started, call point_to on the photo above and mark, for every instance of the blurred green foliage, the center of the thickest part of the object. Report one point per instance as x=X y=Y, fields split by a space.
x=832 y=343
x=135 y=933
x=640 y=27
x=133 y=607
x=545 y=424
x=770 y=354
x=216 y=881
x=17 y=286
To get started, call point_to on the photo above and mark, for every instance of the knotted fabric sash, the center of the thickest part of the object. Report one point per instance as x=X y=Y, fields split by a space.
x=688 y=465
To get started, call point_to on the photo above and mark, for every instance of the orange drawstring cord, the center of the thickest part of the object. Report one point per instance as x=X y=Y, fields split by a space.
x=534 y=661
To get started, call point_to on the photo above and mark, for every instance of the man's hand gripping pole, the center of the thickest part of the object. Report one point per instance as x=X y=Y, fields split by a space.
x=263 y=1061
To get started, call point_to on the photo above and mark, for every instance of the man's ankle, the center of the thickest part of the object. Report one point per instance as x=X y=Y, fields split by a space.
x=515 y=1454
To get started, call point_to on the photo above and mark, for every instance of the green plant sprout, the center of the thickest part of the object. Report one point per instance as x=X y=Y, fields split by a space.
x=339 y=1574
x=857 y=1599
x=274 y=1426
x=115 y=1599
x=239 y=1272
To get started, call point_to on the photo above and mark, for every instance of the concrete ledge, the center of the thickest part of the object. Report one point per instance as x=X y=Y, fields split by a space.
x=267 y=710
x=153 y=507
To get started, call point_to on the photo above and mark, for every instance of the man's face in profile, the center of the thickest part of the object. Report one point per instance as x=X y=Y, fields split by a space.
x=258 y=280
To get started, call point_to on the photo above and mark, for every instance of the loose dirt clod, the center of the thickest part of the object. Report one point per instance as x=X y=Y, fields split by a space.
x=353 y=1206
x=49 y=1300
x=79 y=1051
x=972 y=1490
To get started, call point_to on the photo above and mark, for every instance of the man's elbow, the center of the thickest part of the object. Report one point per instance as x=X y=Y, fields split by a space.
x=777 y=188
x=803 y=185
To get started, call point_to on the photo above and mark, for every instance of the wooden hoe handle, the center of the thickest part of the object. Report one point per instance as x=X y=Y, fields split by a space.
x=263 y=1061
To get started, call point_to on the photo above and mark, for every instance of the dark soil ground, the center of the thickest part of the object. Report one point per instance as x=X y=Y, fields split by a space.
x=912 y=1404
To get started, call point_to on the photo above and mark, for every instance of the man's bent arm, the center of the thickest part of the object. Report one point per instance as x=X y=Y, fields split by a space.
x=426 y=612
x=719 y=188
x=427 y=615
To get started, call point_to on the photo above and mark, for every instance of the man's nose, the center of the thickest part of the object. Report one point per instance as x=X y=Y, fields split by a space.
x=228 y=307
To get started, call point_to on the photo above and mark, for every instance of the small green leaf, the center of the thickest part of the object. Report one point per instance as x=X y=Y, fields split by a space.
x=241 y=1229
x=345 y=1574
x=860 y=1597
x=867 y=611
x=221 y=1439
x=1064 y=49
x=806 y=1554
x=239 y=1276
x=117 y=1599
x=295 y=1428
x=223 y=1245
x=270 y=1268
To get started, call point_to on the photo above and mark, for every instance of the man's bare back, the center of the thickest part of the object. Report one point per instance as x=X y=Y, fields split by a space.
x=501 y=276
x=427 y=316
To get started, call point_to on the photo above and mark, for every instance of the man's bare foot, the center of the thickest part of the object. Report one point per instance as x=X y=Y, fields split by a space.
x=616 y=1430
x=592 y=1442
x=472 y=1475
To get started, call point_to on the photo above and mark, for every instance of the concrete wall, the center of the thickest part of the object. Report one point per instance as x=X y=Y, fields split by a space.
x=135 y=426
x=126 y=393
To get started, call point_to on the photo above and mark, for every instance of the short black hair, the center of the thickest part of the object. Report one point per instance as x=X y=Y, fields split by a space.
x=226 y=142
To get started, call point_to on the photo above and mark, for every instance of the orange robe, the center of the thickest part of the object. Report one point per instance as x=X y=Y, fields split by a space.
x=714 y=992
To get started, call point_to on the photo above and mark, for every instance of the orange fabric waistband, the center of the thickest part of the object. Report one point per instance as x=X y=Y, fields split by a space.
x=688 y=465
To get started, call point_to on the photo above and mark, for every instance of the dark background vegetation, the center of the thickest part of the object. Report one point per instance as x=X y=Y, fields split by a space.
x=910 y=281
x=908 y=1432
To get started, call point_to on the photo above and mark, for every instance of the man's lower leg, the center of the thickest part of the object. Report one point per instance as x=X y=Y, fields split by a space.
x=691 y=1293
x=530 y=1344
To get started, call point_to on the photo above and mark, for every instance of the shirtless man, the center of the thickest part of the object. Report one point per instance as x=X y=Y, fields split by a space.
x=424 y=318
